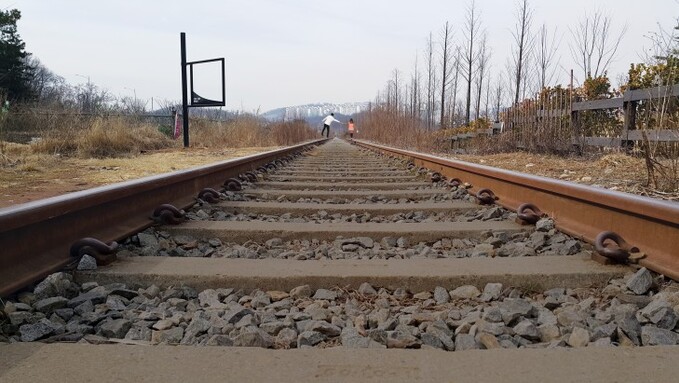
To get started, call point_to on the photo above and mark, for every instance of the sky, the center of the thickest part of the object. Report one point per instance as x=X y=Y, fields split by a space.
x=293 y=52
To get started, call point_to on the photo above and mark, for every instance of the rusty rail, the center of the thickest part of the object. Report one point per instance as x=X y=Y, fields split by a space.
x=36 y=237
x=584 y=212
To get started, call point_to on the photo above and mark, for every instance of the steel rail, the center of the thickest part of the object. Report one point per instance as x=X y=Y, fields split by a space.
x=580 y=211
x=35 y=237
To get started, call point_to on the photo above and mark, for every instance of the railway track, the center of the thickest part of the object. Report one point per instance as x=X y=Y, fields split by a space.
x=359 y=246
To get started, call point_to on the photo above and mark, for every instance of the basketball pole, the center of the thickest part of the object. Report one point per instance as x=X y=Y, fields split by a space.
x=185 y=101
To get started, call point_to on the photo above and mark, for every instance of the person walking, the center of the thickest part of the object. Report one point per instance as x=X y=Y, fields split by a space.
x=326 y=124
x=350 y=126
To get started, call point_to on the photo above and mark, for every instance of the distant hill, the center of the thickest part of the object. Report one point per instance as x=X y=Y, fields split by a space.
x=313 y=113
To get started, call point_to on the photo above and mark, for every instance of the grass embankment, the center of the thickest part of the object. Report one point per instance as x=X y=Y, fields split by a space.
x=106 y=137
x=106 y=150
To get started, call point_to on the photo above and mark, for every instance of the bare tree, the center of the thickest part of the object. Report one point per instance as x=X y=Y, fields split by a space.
x=594 y=44
x=455 y=86
x=91 y=98
x=486 y=113
x=471 y=30
x=498 y=97
x=446 y=58
x=397 y=88
x=415 y=99
x=388 y=94
x=394 y=90
x=431 y=80
x=545 y=55
x=524 y=43
x=47 y=86
x=481 y=71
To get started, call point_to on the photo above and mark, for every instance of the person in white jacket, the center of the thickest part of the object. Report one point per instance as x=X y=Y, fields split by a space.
x=326 y=124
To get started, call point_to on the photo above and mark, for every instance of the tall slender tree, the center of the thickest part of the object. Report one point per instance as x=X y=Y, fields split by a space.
x=471 y=29
x=397 y=88
x=524 y=44
x=431 y=80
x=446 y=66
x=482 y=69
x=456 y=78
x=415 y=99
x=487 y=104
x=499 y=94
x=545 y=55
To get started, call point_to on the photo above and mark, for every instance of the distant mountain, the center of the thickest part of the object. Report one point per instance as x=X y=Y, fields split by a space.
x=313 y=113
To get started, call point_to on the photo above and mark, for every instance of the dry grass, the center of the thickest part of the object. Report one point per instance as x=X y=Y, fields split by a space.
x=111 y=138
x=34 y=175
x=248 y=131
x=103 y=137
x=390 y=128
x=71 y=153
x=616 y=171
x=70 y=134
x=241 y=132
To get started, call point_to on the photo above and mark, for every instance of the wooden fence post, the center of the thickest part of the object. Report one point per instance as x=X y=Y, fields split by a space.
x=629 y=123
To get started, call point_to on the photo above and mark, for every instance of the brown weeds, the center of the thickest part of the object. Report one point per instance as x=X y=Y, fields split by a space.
x=102 y=136
x=248 y=131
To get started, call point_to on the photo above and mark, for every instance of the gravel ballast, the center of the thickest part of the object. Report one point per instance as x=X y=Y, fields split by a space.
x=452 y=319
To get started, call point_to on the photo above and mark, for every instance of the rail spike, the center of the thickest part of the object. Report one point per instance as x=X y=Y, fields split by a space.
x=624 y=252
x=436 y=177
x=209 y=195
x=528 y=214
x=486 y=197
x=167 y=214
x=455 y=182
x=102 y=252
x=233 y=184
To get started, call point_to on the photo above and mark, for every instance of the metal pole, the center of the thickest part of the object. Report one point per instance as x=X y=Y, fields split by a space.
x=223 y=82
x=185 y=101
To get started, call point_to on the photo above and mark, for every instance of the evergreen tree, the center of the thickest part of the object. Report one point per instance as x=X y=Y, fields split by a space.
x=15 y=73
